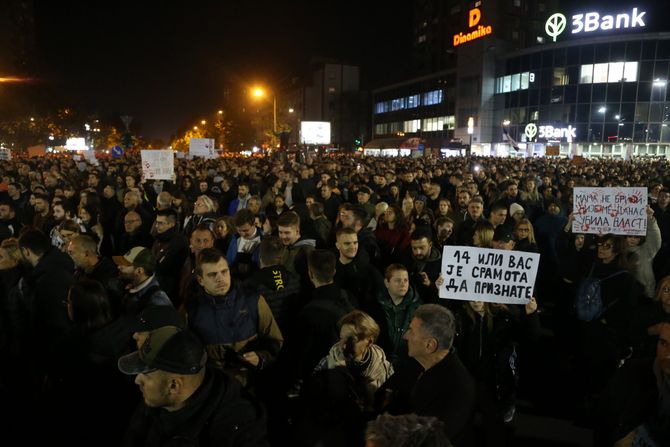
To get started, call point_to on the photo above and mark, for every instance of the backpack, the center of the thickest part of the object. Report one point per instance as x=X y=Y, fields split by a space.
x=588 y=301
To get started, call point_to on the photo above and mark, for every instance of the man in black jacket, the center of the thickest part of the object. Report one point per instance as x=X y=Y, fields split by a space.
x=47 y=285
x=437 y=383
x=184 y=401
x=170 y=249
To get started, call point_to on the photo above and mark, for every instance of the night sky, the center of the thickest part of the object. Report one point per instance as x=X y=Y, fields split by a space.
x=165 y=62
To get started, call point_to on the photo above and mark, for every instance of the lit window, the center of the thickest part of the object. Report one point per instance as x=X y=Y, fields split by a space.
x=411 y=126
x=616 y=72
x=560 y=76
x=516 y=80
x=630 y=72
x=600 y=73
x=412 y=101
x=586 y=76
x=524 y=81
x=422 y=38
x=507 y=84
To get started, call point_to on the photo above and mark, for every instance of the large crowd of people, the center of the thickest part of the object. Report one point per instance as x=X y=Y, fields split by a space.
x=294 y=301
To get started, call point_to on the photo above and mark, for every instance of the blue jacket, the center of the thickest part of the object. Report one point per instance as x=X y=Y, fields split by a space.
x=231 y=253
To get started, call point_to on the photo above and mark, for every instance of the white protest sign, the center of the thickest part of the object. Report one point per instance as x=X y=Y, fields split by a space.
x=484 y=274
x=90 y=156
x=5 y=154
x=610 y=210
x=202 y=147
x=158 y=165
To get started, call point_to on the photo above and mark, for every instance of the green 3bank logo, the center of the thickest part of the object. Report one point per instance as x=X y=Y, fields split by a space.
x=530 y=131
x=555 y=25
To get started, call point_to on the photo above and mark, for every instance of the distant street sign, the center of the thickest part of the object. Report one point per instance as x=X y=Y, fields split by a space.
x=117 y=152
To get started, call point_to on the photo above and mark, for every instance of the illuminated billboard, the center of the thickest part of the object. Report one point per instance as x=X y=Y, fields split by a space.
x=315 y=132
x=589 y=22
x=76 y=144
x=474 y=16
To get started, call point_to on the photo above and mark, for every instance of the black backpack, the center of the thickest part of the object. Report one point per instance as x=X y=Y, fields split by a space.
x=588 y=301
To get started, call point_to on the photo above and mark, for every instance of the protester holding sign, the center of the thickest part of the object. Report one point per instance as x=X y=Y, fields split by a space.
x=488 y=334
x=604 y=342
x=481 y=274
x=641 y=252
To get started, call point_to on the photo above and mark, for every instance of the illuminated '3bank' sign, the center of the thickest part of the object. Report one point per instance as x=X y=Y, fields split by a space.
x=593 y=21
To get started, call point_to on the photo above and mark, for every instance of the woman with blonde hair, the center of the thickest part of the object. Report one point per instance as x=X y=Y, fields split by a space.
x=204 y=211
x=483 y=236
x=357 y=350
x=524 y=234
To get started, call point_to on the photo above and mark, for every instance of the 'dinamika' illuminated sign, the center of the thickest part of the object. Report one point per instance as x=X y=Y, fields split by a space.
x=474 y=17
x=593 y=21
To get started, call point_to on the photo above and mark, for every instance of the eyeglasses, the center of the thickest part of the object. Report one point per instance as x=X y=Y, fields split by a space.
x=605 y=245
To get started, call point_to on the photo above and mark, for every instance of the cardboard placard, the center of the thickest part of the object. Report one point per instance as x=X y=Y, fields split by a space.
x=157 y=164
x=610 y=211
x=484 y=274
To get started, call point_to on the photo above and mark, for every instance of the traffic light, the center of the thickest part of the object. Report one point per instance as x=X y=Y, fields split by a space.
x=357 y=142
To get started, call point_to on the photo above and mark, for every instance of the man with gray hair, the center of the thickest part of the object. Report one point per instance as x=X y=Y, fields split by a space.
x=437 y=384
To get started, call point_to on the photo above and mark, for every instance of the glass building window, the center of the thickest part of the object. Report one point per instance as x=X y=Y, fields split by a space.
x=615 y=72
x=412 y=126
x=507 y=84
x=641 y=112
x=432 y=97
x=560 y=76
x=412 y=101
x=516 y=81
x=630 y=72
x=524 y=81
x=599 y=73
x=586 y=76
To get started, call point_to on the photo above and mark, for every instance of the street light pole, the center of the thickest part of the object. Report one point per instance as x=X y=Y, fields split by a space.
x=274 y=114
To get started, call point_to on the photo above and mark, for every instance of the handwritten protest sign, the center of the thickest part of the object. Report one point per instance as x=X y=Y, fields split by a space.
x=202 y=147
x=610 y=210
x=5 y=154
x=483 y=274
x=157 y=165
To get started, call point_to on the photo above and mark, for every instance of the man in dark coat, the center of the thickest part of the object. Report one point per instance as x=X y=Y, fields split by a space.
x=170 y=249
x=48 y=284
x=315 y=330
x=436 y=383
x=636 y=404
x=184 y=401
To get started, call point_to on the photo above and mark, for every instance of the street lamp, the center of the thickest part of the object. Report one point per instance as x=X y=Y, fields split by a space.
x=203 y=122
x=258 y=92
